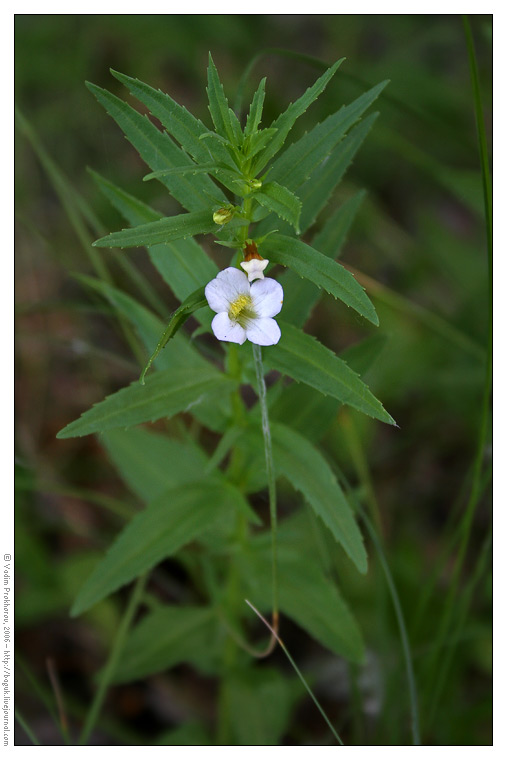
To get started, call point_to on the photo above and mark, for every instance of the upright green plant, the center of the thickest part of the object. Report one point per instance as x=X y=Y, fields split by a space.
x=238 y=184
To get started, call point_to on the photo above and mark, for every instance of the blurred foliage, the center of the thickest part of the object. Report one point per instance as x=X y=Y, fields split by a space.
x=419 y=237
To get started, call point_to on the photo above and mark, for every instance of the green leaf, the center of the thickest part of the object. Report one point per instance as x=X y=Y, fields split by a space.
x=191 y=734
x=169 y=522
x=158 y=150
x=196 y=300
x=149 y=327
x=255 y=113
x=302 y=295
x=258 y=142
x=305 y=410
x=286 y=120
x=181 y=170
x=307 y=470
x=164 y=395
x=302 y=158
x=180 y=352
x=303 y=358
x=162 y=231
x=330 y=239
x=218 y=105
x=306 y=596
x=221 y=172
x=182 y=263
x=151 y=463
x=168 y=637
x=321 y=270
x=266 y=697
x=280 y=200
x=316 y=191
x=179 y=122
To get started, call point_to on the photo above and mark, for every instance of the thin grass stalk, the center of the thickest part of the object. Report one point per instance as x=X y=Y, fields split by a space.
x=57 y=690
x=405 y=643
x=298 y=672
x=448 y=652
x=270 y=471
x=407 y=655
x=466 y=523
x=114 y=657
x=485 y=411
x=72 y=205
x=26 y=728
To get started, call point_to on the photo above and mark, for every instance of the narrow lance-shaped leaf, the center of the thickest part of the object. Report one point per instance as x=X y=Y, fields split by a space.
x=310 y=412
x=183 y=264
x=162 y=231
x=258 y=141
x=286 y=120
x=303 y=358
x=196 y=300
x=151 y=463
x=169 y=522
x=301 y=295
x=316 y=191
x=330 y=239
x=180 y=354
x=164 y=394
x=306 y=595
x=307 y=470
x=296 y=164
x=158 y=151
x=321 y=270
x=179 y=122
x=255 y=114
x=280 y=200
x=165 y=638
x=194 y=169
x=218 y=105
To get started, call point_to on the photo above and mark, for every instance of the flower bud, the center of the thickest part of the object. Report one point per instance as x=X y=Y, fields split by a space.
x=223 y=215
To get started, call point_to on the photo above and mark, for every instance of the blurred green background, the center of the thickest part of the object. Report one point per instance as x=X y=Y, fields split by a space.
x=419 y=240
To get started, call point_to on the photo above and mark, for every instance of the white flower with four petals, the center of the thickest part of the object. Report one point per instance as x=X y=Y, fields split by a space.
x=244 y=310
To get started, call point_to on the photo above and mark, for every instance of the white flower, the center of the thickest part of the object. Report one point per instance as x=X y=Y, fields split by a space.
x=254 y=268
x=244 y=310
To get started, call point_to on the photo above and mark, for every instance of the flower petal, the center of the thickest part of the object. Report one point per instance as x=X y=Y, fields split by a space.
x=225 y=329
x=225 y=288
x=267 y=297
x=264 y=331
x=254 y=268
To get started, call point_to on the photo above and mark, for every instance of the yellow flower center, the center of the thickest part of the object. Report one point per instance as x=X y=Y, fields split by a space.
x=241 y=310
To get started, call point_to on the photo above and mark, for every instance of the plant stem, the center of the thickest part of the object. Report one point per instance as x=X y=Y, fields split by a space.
x=412 y=690
x=466 y=523
x=114 y=657
x=270 y=470
x=26 y=728
x=298 y=672
x=407 y=655
x=465 y=601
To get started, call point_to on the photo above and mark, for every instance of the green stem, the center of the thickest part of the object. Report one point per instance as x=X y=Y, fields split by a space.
x=298 y=672
x=26 y=728
x=360 y=463
x=447 y=653
x=270 y=470
x=407 y=655
x=412 y=690
x=465 y=526
x=114 y=657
